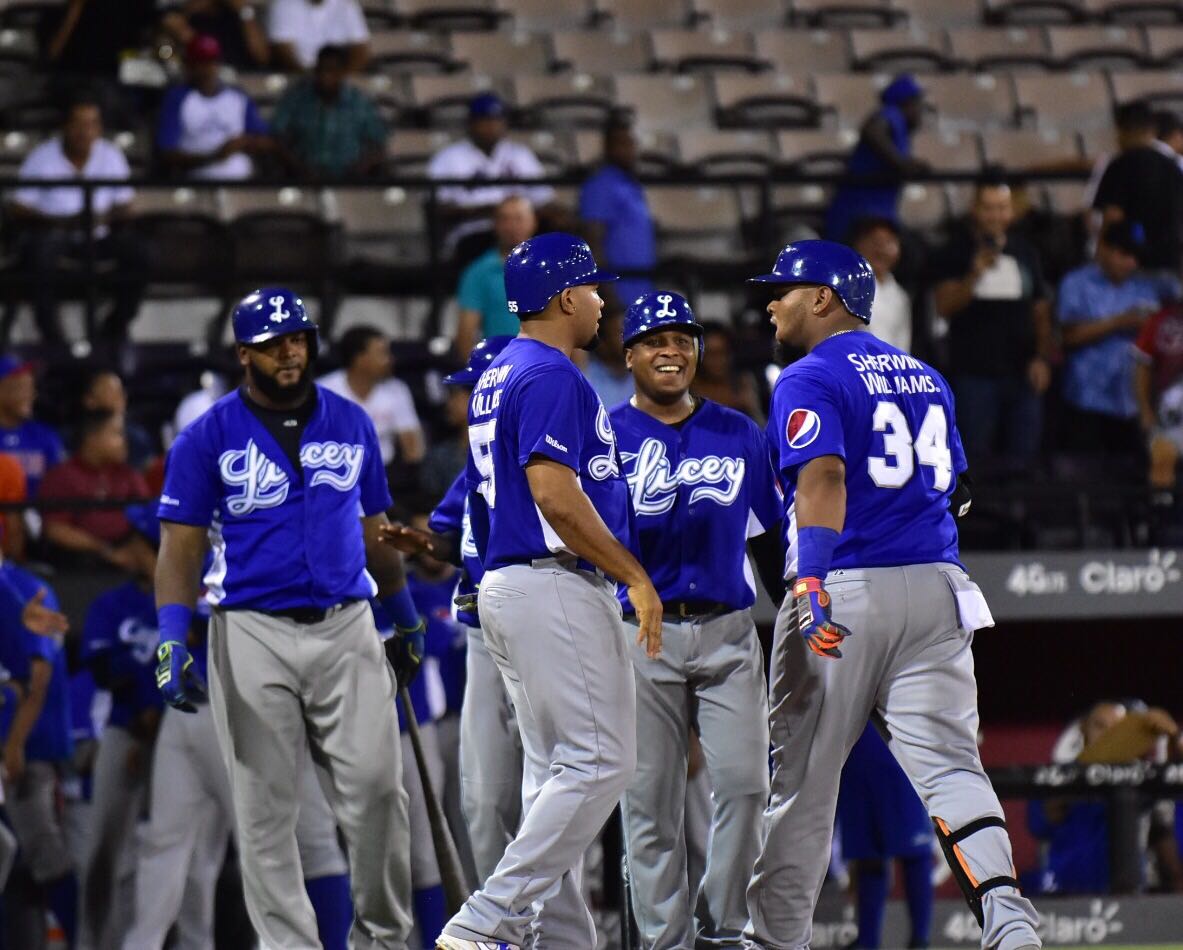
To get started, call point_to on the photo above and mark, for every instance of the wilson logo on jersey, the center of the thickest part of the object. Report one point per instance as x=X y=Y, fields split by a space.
x=265 y=484
x=654 y=487
x=804 y=426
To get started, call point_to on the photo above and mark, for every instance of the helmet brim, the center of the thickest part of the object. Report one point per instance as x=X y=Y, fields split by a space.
x=597 y=277
x=461 y=378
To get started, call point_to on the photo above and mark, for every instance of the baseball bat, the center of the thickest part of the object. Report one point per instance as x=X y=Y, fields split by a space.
x=456 y=889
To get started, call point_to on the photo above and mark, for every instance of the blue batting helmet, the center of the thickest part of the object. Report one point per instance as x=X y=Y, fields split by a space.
x=543 y=266
x=833 y=265
x=478 y=361
x=657 y=311
x=270 y=312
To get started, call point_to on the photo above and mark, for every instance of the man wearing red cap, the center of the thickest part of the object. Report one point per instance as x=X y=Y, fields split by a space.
x=208 y=129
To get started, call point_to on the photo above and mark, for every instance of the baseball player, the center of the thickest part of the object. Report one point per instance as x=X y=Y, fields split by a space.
x=277 y=472
x=702 y=484
x=868 y=452
x=551 y=518
x=490 y=749
x=119 y=640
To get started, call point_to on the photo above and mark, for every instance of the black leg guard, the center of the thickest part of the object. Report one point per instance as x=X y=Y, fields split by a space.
x=970 y=886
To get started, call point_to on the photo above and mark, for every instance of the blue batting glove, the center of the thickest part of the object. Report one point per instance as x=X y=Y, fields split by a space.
x=176 y=679
x=812 y=604
x=404 y=650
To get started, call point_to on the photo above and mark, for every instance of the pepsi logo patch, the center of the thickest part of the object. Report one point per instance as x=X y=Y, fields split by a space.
x=803 y=427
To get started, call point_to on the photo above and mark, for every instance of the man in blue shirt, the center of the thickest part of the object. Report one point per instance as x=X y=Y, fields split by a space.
x=1101 y=307
x=616 y=215
x=35 y=445
x=884 y=150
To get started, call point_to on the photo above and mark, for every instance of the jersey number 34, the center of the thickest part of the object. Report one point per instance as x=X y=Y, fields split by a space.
x=931 y=447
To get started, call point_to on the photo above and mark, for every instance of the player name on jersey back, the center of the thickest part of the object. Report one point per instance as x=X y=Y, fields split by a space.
x=874 y=367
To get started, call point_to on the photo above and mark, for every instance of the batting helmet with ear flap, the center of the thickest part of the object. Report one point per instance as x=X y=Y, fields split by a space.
x=828 y=264
x=479 y=360
x=542 y=266
x=270 y=312
x=660 y=310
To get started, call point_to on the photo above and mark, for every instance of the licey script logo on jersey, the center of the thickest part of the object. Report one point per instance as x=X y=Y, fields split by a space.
x=804 y=426
x=264 y=484
x=654 y=486
x=604 y=466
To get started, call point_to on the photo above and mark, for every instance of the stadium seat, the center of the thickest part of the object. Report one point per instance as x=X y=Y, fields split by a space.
x=948 y=150
x=924 y=206
x=1148 y=12
x=565 y=99
x=1064 y=100
x=404 y=51
x=635 y=15
x=18 y=49
x=845 y=13
x=501 y=53
x=1164 y=87
x=444 y=99
x=665 y=103
x=448 y=14
x=550 y=147
x=1064 y=198
x=898 y=50
x=379 y=14
x=1097 y=141
x=547 y=16
x=409 y=150
x=971 y=100
x=850 y=97
x=1075 y=47
x=990 y=48
x=192 y=254
x=31 y=115
x=734 y=152
x=601 y=52
x=1035 y=11
x=742 y=14
x=658 y=150
x=815 y=150
x=29 y=14
x=1031 y=149
x=769 y=99
x=945 y=14
x=14 y=146
x=801 y=51
x=265 y=88
x=241 y=202
x=700 y=224
x=136 y=145
x=381 y=226
x=1165 y=46
x=713 y=49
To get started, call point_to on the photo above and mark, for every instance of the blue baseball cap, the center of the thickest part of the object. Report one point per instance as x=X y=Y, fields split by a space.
x=9 y=365
x=901 y=89
x=486 y=105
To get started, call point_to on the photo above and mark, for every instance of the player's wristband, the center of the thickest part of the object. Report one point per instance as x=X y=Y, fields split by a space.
x=173 y=621
x=815 y=551
x=401 y=609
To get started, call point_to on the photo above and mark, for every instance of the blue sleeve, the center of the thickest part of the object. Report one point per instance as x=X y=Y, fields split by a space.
x=1071 y=303
x=375 y=490
x=252 y=120
x=552 y=417
x=38 y=647
x=766 y=503
x=191 y=490
x=448 y=517
x=805 y=421
x=593 y=203
x=168 y=129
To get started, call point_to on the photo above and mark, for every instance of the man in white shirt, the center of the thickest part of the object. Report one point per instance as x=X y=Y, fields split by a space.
x=485 y=156
x=365 y=378
x=878 y=240
x=53 y=238
x=299 y=28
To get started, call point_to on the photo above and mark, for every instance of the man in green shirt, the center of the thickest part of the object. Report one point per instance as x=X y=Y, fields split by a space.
x=328 y=128
x=481 y=294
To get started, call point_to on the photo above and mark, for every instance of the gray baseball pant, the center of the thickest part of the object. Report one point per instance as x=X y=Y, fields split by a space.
x=490 y=759
x=191 y=819
x=276 y=688
x=909 y=659
x=710 y=676
x=557 y=636
x=32 y=806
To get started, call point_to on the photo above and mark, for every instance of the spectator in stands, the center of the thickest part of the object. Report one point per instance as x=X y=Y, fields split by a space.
x=484 y=156
x=606 y=368
x=12 y=525
x=233 y=23
x=97 y=471
x=298 y=30
x=878 y=240
x=365 y=378
x=1142 y=185
x=50 y=220
x=990 y=291
x=484 y=311
x=884 y=150
x=717 y=378
x=102 y=390
x=1158 y=387
x=1101 y=307
x=1169 y=135
x=327 y=127
x=36 y=446
x=616 y=215
x=208 y=129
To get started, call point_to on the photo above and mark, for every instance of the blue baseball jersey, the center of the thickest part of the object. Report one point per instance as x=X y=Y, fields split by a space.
x=36 y=446
x=890 y=418
x=120 y=635
x=452 y=516
x=280 y=538
x=699 y=490
x=533 y=401
x=446 y=639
